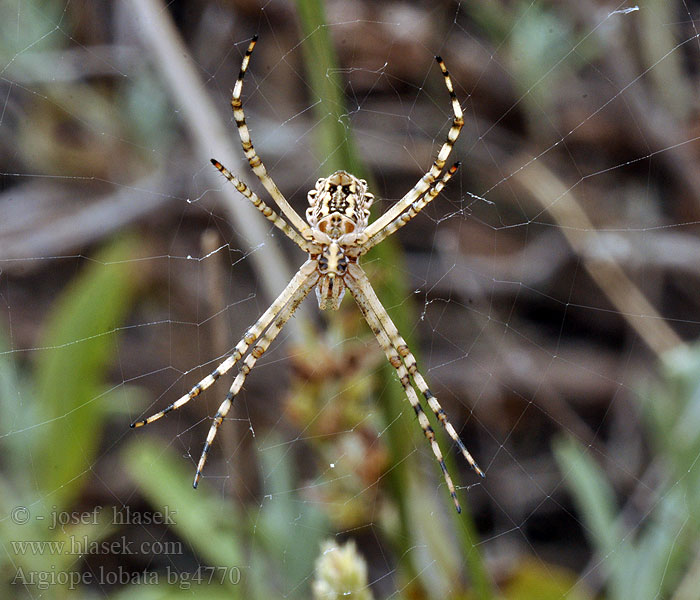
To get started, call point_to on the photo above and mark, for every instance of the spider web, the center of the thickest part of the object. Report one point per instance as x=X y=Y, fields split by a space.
x=549 y=294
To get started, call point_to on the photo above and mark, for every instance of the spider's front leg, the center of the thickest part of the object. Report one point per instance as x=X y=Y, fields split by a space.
x=403 y=361
x=266 y=211
x=242 y=347
x=255 y=353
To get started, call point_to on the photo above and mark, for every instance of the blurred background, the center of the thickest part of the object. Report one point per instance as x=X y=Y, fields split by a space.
x=550 y=294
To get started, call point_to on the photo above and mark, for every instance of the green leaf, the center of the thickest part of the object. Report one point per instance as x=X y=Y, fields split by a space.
x=290 y=528
x=592 y=494
x=334 y=142
x=79 y=341
x=536 y=581
x=212 y=526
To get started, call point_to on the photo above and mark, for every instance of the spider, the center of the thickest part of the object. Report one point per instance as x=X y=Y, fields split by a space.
x=335 y=235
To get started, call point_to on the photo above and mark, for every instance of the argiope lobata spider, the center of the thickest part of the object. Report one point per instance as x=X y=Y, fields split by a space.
x=335 y=235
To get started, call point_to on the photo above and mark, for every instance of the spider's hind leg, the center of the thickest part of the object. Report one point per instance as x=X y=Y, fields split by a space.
x=251 y=155
x=436 y=168
x=435 y=406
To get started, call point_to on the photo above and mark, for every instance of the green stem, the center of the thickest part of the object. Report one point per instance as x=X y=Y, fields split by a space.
x=334 y=141
x=337 y=151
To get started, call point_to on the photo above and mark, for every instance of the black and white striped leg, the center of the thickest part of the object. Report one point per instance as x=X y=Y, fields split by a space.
x=249 y=150
x=409 y=360
x=249 y=338
x=255 y=353
x=412 y=211
x=438 y=165
x=378 y=323
x=266 y=211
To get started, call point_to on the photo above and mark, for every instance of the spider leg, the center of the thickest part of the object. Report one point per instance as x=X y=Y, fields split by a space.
x=267 y=212
x=410 y=362
x=429 y=178
x=253 y=159
x=249 y=338
x=380 y=323
x=255 y=353
x=412 y=211
x=395 y=360
x=375 y=315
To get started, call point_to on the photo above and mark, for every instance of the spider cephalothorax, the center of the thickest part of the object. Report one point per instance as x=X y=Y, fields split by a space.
x=332 y=266
x=338 y=214
x=337 y=233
